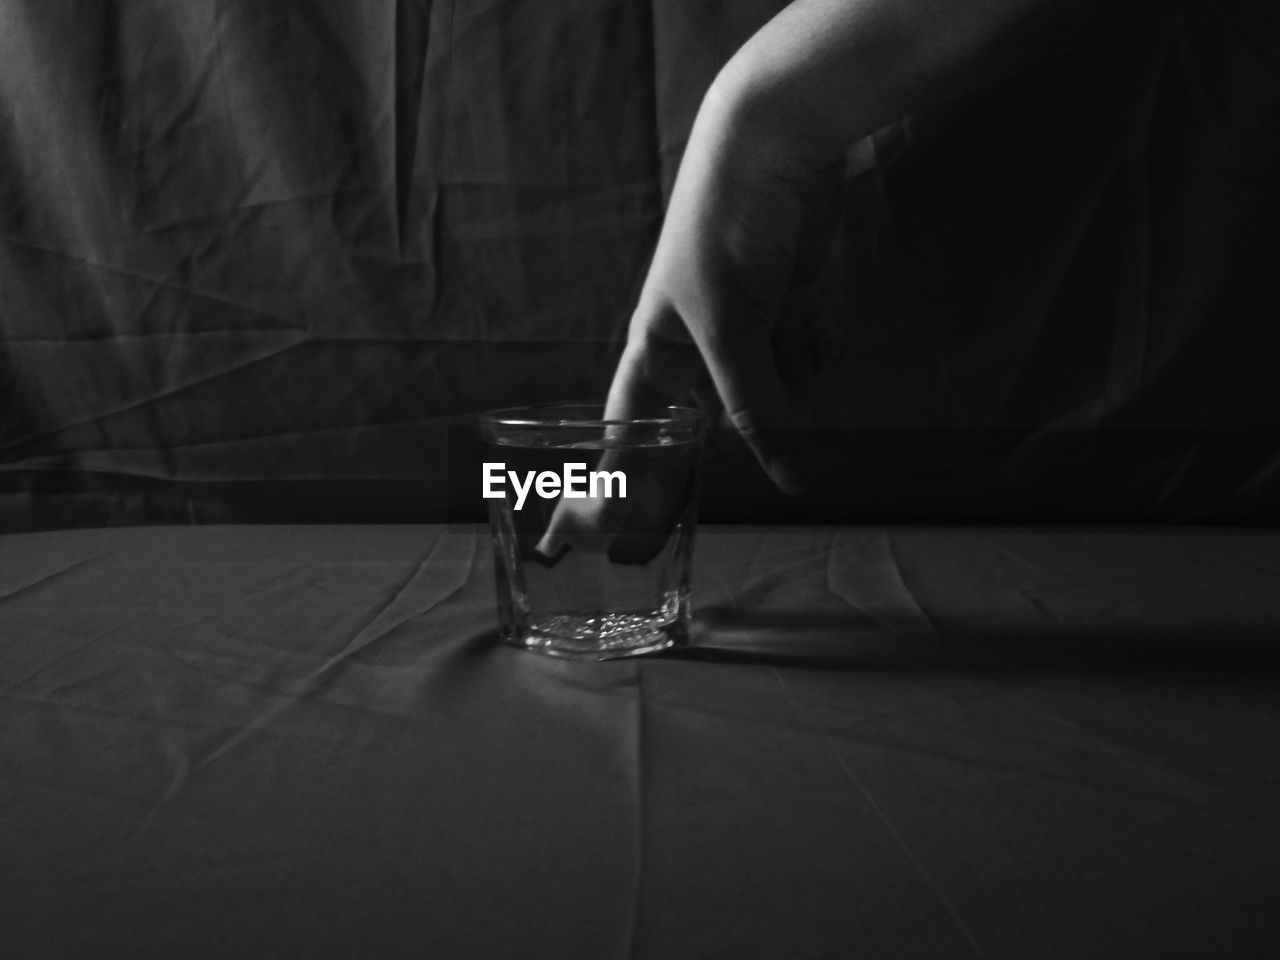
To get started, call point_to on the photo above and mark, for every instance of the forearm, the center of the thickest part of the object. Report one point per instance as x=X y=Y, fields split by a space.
x=824 y=73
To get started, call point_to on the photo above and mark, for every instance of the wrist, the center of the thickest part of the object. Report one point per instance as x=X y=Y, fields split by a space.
x=755 y=111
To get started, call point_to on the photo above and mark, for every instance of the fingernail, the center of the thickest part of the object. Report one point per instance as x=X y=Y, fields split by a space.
x=787 y=473
x=549 y=546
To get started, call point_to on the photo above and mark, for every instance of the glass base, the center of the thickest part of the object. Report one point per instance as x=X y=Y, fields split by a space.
x=607 y=636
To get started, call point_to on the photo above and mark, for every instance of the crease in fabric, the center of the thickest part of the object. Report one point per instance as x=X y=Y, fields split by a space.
x=835 y=586
x=47 y=578
x=321 y=678
x=374 y=630
x=886 y=823
x=163 y=394
x=274 y=323
x=639 y=781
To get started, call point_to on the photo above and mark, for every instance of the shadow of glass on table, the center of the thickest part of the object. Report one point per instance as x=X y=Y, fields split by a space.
x=1159 y=645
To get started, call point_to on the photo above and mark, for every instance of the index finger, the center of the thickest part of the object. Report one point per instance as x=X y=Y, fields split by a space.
x=652 y=374
x=659 y=366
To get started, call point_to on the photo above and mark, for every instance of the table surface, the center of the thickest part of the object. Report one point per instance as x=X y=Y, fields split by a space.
x=885 y=742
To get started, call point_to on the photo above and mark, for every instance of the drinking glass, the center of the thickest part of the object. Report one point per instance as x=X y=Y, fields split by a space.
x=592 y=522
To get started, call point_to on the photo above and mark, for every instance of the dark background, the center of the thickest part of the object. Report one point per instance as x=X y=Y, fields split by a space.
x=257 y=260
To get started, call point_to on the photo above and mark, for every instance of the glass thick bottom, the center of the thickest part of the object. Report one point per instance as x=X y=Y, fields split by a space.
x=598 y=636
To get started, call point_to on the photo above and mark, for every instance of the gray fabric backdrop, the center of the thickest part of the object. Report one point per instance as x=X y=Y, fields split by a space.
x=256 y=259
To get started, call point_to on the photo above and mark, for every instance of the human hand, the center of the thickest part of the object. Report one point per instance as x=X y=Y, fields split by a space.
x=731 y=311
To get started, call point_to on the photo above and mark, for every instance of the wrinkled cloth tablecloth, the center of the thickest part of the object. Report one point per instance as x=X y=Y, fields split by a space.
x=885 y=742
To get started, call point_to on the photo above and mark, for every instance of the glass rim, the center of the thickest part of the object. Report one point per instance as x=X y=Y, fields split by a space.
x=532 y=416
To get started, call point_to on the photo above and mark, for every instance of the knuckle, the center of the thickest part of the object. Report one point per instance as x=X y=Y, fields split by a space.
x=744 y=421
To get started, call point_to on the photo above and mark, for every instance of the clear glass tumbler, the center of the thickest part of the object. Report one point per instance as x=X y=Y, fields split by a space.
x=593 y=524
